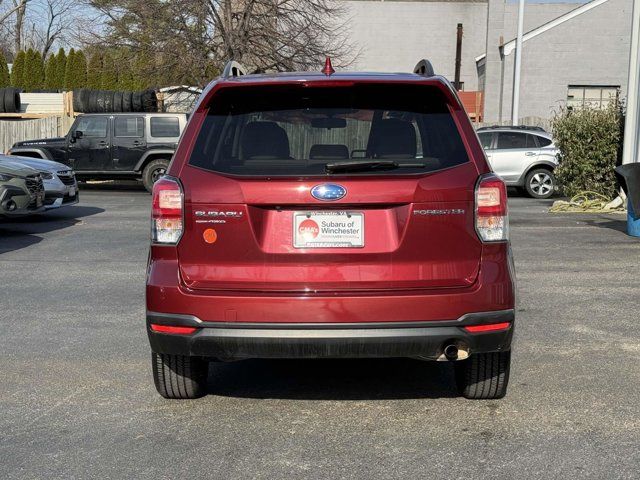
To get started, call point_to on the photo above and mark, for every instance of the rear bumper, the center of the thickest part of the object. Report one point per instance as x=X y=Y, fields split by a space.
x=231 y=341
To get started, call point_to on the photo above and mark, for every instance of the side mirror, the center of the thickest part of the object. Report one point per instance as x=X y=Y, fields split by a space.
x=78 y=134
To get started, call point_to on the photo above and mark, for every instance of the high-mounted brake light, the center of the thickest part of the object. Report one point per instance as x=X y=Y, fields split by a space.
x=167 y=212
x=492 y=220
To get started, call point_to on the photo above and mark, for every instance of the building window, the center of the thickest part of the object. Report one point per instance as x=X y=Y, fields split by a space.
x=590 y=96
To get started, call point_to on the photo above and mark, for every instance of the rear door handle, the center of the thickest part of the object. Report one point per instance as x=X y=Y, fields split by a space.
x=530 y=154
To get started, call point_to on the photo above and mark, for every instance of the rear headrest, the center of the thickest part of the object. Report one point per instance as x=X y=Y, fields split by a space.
x=264 y=140
x=394 y=138
x=329 y=152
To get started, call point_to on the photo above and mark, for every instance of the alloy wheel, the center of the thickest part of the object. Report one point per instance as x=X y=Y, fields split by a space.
x=541 y=184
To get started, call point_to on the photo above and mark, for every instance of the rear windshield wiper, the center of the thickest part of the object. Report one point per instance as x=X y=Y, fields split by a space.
x=341 y=167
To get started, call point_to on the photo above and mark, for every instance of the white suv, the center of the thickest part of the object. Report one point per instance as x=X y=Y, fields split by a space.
x=524 y=157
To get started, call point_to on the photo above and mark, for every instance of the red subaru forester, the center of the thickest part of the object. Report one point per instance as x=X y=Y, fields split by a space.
x=330 y=215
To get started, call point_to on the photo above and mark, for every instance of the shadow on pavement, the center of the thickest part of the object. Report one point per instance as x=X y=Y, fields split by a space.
x=21 y=232
x=362 y=379
x=608 y=222
x=112 y=185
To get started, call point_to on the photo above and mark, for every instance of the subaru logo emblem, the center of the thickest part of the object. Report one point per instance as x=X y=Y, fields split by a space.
x=328 y=192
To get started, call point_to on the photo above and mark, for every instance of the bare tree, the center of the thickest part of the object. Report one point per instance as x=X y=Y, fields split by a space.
x=36 y=24
x=189 y=39
x=58 y=22
x=20 y=7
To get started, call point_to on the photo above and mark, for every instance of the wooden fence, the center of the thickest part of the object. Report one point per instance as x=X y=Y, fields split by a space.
x=16 y=130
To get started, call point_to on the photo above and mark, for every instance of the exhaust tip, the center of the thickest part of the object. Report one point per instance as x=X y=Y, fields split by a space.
x=451 y=352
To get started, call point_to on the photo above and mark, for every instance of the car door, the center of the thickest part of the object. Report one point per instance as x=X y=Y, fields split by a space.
x=512 y=152
x=89 y=145
x=128 y=143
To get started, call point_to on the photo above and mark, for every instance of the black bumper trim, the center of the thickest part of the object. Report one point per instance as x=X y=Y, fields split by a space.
x=477 y=318
x=231 y=341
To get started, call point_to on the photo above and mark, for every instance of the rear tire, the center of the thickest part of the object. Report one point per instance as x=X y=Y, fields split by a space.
x=153 y=171
x=540 y=183
x=484 y=375
x=178 y=376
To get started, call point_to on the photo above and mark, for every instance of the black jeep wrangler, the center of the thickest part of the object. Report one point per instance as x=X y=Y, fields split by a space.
x=113 y=146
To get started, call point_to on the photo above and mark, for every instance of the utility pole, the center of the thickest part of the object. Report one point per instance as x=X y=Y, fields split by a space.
x=456 y=81
x=631 y=133
x=515 y=102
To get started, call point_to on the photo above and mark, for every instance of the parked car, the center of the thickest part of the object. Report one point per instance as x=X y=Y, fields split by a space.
x=59 y=181
x=321 y=215
x=524 y=157
x=113 y=146
x=21 y=190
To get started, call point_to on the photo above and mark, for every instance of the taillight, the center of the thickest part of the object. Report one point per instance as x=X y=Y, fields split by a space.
x=492 y=221
x=167 y=212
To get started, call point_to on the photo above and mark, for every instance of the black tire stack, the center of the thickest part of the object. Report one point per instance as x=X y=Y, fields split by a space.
x=10 y=100
x=108 y=101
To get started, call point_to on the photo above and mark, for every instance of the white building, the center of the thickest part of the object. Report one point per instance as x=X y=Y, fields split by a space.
x=571 y=50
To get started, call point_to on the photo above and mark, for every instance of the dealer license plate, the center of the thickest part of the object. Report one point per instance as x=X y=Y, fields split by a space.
x=331 y=229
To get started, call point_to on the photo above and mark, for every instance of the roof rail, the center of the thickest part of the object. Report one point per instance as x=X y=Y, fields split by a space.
x=424 y=67
x=513 y=127
x=233 y=69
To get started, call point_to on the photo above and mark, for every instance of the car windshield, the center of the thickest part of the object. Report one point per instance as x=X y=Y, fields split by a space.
x=301 y=131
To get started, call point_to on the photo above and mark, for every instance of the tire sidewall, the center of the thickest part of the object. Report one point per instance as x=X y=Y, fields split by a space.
x=147 y=173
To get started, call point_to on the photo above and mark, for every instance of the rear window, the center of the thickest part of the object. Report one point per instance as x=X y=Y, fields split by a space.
x=296 y=130
x=165 y=127
x=543 y=142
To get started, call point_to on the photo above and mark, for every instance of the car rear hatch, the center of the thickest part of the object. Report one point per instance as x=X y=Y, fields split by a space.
x=328 y=188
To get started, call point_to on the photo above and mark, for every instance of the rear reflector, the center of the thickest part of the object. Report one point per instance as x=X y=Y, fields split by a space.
x=172 y=329
x=487 y=328
x=167 y=212
x=492 y=222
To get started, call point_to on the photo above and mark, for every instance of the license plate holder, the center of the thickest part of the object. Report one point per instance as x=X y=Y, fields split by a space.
x=328 y=229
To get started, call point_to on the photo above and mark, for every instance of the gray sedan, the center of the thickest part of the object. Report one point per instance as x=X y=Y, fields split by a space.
x=60 y=185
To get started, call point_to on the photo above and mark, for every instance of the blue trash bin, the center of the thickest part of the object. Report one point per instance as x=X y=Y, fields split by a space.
x=633 y=222
x=629 y=178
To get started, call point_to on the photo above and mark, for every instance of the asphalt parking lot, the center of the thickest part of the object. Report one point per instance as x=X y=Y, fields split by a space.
x=77 y=398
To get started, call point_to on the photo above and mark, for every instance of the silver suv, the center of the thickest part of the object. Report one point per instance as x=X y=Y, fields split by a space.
x=524 y=157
